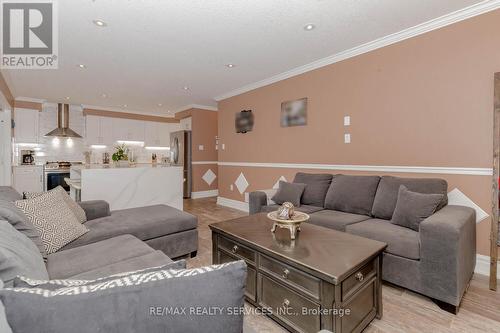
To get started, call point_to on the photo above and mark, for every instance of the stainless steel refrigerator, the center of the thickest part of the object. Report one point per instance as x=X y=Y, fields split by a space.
x=180 y=155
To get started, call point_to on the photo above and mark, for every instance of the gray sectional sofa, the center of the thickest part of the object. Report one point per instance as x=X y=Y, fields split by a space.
x=438 y=260
x=120 y=241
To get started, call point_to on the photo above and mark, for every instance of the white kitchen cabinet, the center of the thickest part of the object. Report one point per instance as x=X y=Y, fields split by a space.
x=128 y=130
x=28 y=178
x=99 y=130
x=158 y=134
x=26 y=125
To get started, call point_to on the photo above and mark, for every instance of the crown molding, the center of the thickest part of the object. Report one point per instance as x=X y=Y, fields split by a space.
x=434 y=24
x=197 y=106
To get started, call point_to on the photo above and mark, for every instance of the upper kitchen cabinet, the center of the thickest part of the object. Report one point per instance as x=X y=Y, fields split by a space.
x=99 y=130
x=26 y=125
x=158 y=134
x=128 y=130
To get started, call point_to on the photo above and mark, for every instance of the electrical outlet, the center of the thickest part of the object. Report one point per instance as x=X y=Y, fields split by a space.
x=347 y=138
x=347 y=121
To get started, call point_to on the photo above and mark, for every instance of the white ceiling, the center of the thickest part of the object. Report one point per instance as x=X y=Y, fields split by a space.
x=151 y=49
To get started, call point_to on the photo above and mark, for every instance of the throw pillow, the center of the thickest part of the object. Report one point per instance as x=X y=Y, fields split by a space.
x=412 y=207
x=53 y=219
x=75 y=208
x=316 y=187
x=289 y=192
x=18 y=256
x=352 y=194
x=138 y=302
x=13 y=215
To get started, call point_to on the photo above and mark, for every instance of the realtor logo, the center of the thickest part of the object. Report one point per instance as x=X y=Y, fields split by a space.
x=29 y=34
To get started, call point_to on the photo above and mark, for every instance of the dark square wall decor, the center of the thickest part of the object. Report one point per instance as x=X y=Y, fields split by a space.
x=244 y=121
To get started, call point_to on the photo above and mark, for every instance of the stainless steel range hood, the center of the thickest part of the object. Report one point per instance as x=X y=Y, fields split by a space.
x=63 y=129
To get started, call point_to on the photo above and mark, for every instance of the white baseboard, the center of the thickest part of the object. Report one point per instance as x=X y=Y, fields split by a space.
x=204 y=194
x=240 y=205
x=483 y=266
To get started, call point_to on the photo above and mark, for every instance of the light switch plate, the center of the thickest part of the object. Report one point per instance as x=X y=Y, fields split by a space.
x=347 y=121
x=201 y=147
x=347 y=138
x=223 y=146
x=231 y=187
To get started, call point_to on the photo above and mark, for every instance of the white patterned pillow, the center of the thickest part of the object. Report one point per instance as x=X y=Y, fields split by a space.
x=53 y=219
x=75 y=208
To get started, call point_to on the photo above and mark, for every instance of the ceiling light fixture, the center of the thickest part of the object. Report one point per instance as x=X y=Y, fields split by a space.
x=230 y=65
x=125 y=105
x=309 y=27
x=99 y=23
x=185 y=88
x=82 y=66
x=67 y=97
x=104 y=95
x=160 y=105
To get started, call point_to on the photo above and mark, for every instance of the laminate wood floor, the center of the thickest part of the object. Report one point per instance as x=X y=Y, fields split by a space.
x=404 y=311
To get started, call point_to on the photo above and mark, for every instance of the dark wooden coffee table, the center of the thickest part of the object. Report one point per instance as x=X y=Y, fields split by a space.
x=324 y=279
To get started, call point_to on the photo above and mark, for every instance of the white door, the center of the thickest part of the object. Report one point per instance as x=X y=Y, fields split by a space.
x=26 y=125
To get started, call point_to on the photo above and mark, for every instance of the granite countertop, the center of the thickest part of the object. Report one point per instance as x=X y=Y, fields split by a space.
x=113 y=166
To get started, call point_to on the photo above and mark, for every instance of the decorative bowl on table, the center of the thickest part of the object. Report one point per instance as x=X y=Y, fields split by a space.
x=292 y=223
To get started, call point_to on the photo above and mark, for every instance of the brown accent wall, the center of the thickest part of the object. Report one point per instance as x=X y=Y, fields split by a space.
x=125 y=115
x=204 y=131
x=426 y=101
x=4 y=89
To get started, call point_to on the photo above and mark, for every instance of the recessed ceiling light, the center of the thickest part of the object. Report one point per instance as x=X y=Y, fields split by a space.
x=67 y=97
x=309 y=27
x=160 y=105
x=104 y=95
x=82 y=66
x=125 y=105
x=185 y=88
x=99 y=23
x=230 y=65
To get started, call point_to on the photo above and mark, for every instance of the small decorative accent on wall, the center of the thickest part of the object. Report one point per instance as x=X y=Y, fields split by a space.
x=294 y=113
x=244 y=121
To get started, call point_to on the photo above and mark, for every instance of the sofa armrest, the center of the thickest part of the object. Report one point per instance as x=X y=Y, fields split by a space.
x=448 y=251
x=95 y=209
x=256 y=200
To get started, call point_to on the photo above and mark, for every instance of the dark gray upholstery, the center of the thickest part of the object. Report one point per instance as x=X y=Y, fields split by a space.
x=352 y=194
x=143 y=222
x=135 y=305
x=303 y=208
x=401 y=241
x=387 y=193
x=7 y=193
x=18 y=256
x=289 y=192
x=68 y=263
x=177 y=244
x=334 y=219
x=413 y=207
x=316 y=187
x=95 y=209
x=437 y=261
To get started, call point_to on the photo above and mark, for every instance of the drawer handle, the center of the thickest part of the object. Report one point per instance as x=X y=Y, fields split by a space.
x=234 y=249
x=286 y=303
x=285 y=273
x=359 y=276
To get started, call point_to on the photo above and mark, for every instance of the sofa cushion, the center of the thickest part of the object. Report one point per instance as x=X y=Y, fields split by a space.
x=13 y=215
x=316 y=187
x=143 y=222
x=412 y=208
x=4 y=325
x=303 y=208
x=334 y=219
x=352 y=194
x=53 y=219
x=134 y=303
x=387 y=193
x=7 y=193
x=68 y=263
x=18 y=256
x=289 y=192
x=400 y=241
x=75 y=208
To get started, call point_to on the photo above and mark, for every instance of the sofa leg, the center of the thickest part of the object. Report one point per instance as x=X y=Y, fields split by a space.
x=453 y=309
x=193 y=254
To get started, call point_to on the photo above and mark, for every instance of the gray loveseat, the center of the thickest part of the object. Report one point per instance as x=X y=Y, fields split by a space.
x=438 y=260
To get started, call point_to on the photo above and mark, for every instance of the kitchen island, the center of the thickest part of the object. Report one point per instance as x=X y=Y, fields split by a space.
x=128 y=187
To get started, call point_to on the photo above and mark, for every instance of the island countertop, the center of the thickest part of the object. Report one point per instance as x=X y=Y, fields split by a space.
x=130 y=186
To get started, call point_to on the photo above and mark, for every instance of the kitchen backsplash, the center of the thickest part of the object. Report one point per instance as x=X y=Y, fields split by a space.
x=72 y=149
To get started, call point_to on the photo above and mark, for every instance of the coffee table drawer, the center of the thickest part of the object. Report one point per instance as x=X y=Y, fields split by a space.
x=237 y=249
x=355 y=280
x=291 y=276
x=251 y=287
x=287 y=306
x=362 y=306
